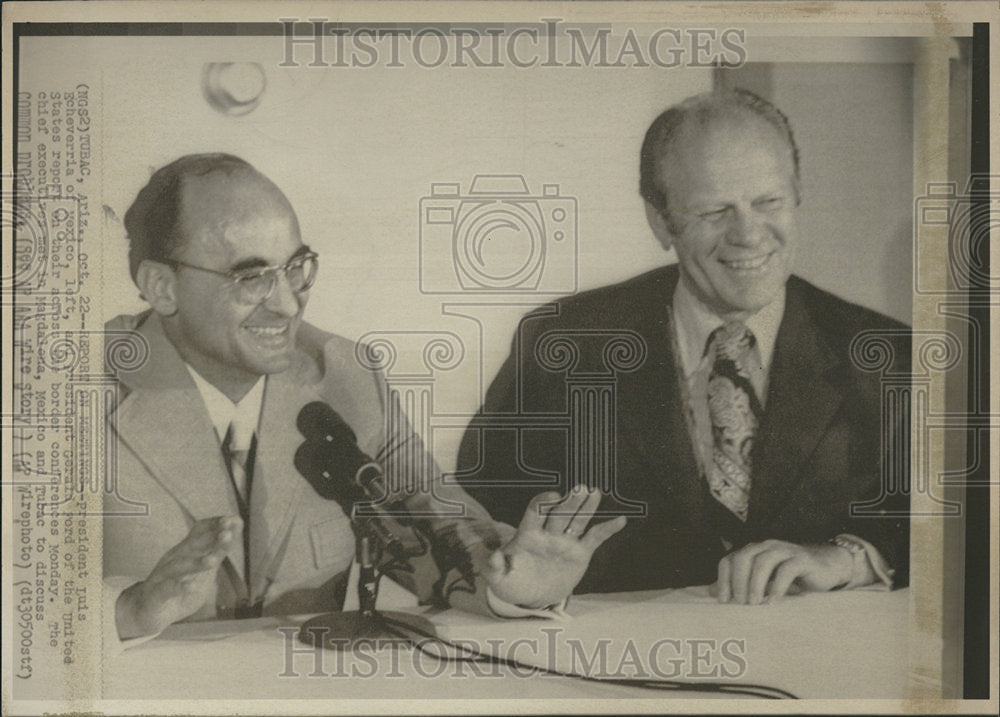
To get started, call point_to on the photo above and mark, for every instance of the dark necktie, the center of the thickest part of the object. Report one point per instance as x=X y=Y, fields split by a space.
x=734 y=411
x=240 y=464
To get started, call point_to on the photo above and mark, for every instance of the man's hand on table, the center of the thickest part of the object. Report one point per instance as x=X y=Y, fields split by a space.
x=181 y=582
x=548 y=556
x=768 y=570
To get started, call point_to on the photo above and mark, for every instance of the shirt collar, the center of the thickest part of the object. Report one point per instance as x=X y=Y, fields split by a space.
x=696 y=322
x=243 y=415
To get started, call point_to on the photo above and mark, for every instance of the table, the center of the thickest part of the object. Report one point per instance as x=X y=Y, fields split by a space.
x=830 y=645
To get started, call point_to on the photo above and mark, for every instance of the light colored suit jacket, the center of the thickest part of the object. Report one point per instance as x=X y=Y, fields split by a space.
x=170 y=473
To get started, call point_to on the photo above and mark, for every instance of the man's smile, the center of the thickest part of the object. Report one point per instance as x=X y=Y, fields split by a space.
x=268 y=330
x=756 y=263
x=275 y=336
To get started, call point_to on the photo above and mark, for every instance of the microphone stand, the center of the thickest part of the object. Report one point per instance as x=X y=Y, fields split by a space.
x=362 y=628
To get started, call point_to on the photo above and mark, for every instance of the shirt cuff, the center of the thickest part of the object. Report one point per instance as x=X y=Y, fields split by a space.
x=870 y=569
x=111 y=590
x=502 y=608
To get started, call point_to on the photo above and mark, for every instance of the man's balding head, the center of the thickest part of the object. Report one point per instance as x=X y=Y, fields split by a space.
x=154 y=223
x=204 y=234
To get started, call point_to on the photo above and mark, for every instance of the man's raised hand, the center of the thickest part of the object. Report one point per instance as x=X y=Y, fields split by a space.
x=181 y=581
x=548 y=556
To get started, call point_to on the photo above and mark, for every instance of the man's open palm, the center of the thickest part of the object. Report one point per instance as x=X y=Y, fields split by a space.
x=548 y=556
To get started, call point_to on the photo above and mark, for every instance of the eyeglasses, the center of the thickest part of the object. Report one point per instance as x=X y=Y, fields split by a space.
x=255 y=286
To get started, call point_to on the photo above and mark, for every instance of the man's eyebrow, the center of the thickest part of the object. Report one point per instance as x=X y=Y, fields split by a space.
x=256 y=262
x=301 y=251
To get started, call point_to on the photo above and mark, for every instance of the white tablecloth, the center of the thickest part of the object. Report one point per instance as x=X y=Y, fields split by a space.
x=844 y=644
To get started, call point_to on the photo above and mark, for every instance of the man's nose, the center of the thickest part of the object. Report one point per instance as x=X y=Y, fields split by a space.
x=283 y=300
x=748 y=228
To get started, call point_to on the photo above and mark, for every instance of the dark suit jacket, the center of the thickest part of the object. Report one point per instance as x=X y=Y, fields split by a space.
x=818 y=446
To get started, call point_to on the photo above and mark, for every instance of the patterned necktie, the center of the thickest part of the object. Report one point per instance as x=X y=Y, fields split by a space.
x=734 y=411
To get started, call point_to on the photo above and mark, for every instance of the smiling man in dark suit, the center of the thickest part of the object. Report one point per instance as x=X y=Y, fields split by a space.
x=747 y=432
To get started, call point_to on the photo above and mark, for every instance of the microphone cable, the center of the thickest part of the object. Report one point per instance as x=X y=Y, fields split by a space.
x=395 y=627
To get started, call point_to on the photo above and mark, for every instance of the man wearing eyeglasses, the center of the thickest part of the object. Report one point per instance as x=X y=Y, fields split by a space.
x=207 y=430
x=749 y=433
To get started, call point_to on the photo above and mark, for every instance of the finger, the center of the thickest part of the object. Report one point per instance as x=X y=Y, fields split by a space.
x=188 y=567
x=534 y=516
x=725 y=591
x=227 y=529
x=204 y=534
x=576 y=498
x=589 y=503
x=785 y=575
x=211 y=560
x=217 y=543
x=560 y=516
x=176 y=564
x=209 y=537
x=742 y=564
x=207 y=527
x=497 y=565
x=198 y=540
x=225 y=540
x=233 y=523
x=206 y=564
x=602 y=531
x=762 y=568
x=740 y=576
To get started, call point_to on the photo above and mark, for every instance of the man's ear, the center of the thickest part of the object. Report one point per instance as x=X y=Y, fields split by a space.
x=658 y=223
x=157 y=283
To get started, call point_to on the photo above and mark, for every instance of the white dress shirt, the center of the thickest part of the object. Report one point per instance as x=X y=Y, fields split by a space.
x=243 y=416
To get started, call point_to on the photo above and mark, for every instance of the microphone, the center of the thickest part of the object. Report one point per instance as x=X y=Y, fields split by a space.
x=317 y=421
x=333 y=464
x=337 y=469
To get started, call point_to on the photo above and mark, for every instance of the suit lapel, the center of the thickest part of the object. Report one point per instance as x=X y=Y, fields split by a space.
x=277 y=485
x=164 y=421
x=804 y=395
x=652 y=403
